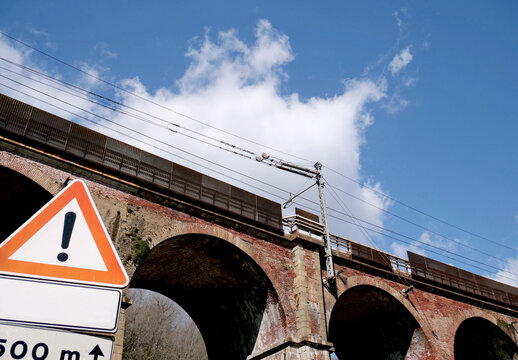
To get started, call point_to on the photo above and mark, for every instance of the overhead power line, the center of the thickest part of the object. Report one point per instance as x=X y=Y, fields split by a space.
x=354 y=219
x=427 y=229
x=380 y=193
x=283 y=165
x=149 y=144
x=142 y=97
x=84 y=95
x=384 y=230
x=246 y=139
x=127 y=114
x=102 y=101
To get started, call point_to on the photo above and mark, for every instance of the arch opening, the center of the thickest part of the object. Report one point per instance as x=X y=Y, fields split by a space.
x=156 y=328
x=479 y=339
x=21 y=198
x=228 y=295
x=369 y=323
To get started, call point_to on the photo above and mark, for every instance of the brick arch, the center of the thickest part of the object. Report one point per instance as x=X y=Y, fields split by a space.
x=15 y=187
x=224 y=290
x=48 y=178
x=241 y=241
x=460 y=317
x=353 y=281
x=418 y=332
x=481 y=336
x=207 y=229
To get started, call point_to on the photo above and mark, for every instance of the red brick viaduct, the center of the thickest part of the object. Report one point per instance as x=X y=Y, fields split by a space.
x=251 y=281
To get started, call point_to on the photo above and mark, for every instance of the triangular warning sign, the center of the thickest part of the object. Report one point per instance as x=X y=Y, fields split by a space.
x=65 y=240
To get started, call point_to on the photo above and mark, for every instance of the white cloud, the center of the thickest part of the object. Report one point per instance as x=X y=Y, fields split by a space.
x=233 y=61
x=399 y=21
x=26 y=86
x=44 y=35
x=105 y=51
x=399 y=15
x=409 y=81
x=395 y=103
x=400 y=61
x=429 y=244
x=506 y=276
x=91 y=75
x=235 y=86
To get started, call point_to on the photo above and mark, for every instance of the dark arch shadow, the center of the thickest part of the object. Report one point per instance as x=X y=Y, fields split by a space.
x=479 y=339
x=369 y=323
x=20 y=198
x=223 y=290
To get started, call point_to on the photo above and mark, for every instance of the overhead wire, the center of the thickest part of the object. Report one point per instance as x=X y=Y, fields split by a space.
x=420 y=226
x=384 y=230
x=127 y=114
x=208 y=125
x=380 y=193
x=108 y=99
x=355 y=219
x=98 y=78
x=151 y=145
x=115 y=86
x=83 y=92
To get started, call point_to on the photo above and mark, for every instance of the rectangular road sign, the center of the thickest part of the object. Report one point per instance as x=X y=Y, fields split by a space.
x=61 y=305
x=29 y=343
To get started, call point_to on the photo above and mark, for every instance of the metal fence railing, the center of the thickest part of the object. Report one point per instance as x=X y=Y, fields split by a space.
x=346 y=246
x=417 y=266
x=75 y=140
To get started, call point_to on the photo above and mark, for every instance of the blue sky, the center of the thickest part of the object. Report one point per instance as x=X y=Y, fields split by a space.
x=414 y=98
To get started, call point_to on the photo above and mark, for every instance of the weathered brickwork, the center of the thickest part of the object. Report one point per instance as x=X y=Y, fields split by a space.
x=286 y=311
x=438 y=316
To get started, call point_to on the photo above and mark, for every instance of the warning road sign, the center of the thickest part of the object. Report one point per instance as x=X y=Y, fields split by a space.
x=65 y=240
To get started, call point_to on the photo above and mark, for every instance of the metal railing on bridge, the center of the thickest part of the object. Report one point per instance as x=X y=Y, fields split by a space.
x=347 y=247
x=78 y=142
x=416 y=267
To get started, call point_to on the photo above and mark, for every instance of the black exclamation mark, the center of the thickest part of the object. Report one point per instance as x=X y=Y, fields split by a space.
x=70 y=219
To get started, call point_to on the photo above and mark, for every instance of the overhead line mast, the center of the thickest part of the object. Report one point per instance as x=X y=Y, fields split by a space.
x=312 y=174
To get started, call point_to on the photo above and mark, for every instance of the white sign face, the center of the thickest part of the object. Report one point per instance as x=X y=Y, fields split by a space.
x=28 y=343
x=46 y=244
x=61 y=305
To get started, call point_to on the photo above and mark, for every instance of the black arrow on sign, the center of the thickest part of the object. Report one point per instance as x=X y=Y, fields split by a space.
x=96 y=352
